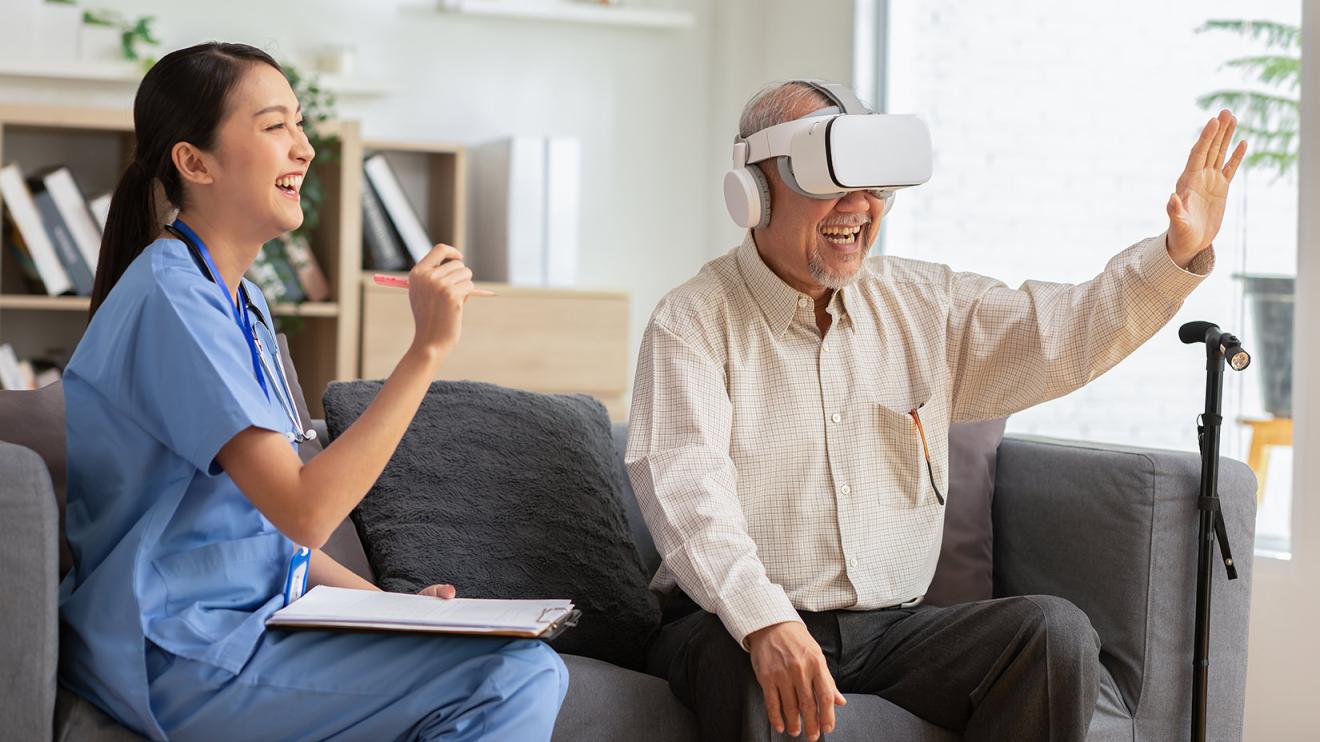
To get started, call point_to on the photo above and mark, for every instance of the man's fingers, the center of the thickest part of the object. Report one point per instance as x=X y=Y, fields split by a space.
x=1201 y=150
x=1217 y=144
x=1225 y=140
x=772 y=708
x=788 y=695
x=825 y=697
x=1174 y=206
x=807 y=702
x=1238 y=153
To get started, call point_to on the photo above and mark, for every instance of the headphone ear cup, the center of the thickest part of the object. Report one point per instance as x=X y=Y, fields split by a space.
x=747 y=197
x=889 y=203
x=763 y=189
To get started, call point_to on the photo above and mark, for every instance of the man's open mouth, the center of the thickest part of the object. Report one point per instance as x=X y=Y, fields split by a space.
x=838 y=234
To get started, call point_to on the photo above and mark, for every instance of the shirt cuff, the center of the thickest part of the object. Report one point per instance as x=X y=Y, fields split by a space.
x=1159 y=270
x=756 y=609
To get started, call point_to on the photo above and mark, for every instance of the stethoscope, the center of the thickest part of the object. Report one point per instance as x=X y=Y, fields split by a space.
x=201 y=256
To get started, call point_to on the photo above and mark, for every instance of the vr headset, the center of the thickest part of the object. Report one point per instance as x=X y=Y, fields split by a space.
x=828 y=153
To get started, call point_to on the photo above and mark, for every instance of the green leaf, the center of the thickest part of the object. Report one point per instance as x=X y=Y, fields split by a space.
x=1275 y=34
x=99 y=18
x=1271 y=69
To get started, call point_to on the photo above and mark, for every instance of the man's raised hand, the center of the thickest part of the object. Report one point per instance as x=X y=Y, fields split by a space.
x=1196 y=207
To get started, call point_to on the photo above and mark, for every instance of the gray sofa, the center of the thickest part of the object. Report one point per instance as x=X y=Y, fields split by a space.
x=1110 y=528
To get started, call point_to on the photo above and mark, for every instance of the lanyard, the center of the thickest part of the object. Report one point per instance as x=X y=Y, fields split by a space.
x=238 y=309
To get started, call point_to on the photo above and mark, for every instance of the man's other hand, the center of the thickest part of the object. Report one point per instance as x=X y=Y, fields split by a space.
x=1196 y=207
x=799 y=690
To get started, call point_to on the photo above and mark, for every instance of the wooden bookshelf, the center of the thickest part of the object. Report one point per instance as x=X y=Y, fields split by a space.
x=82 y=304
x=553 y=340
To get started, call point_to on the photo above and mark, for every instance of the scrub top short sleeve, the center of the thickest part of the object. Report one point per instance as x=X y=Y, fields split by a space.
x=194 y=384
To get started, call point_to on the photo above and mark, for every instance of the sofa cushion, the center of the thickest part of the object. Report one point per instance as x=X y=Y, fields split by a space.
x=507 y=494
x=35 y=420
x=965 y=571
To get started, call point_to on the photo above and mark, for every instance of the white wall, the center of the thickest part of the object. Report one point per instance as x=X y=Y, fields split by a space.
x=1284 y=647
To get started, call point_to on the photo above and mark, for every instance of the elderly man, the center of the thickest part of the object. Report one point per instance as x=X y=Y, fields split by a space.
x=788 y=446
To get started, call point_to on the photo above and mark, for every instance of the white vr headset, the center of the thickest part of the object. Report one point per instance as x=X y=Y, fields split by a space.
x=828 y=153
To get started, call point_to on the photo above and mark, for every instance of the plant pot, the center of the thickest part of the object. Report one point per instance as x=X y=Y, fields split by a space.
x=1272 y=301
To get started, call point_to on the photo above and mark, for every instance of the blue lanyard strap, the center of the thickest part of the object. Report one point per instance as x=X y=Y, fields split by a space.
x=238 y=309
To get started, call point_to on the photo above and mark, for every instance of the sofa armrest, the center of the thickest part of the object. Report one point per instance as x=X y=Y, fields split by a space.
x=1114 y=530
x=29 y=560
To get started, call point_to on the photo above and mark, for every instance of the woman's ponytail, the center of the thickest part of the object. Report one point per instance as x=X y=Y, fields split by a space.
x=129 y=228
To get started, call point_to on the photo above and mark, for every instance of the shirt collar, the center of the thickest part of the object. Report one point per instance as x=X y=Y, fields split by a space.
x=778 y=301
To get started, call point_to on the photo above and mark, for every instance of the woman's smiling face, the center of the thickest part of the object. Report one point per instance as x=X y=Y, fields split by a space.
x=261 y=154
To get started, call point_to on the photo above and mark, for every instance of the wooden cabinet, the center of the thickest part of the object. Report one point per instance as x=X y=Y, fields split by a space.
x=545 y=340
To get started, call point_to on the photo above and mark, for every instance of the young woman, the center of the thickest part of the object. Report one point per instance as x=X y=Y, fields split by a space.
x=188 y=506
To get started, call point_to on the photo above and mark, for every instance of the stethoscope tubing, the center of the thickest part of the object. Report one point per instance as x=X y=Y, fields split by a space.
x=303 y=433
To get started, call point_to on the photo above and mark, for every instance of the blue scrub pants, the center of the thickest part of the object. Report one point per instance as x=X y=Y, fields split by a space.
x=317 y=685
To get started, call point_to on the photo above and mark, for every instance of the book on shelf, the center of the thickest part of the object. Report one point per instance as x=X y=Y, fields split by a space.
x=76 y=213
x=101 y=209
x=396 y=206
x=384 y=247
x=526 y=203
x=23 y=374
x=61 y=236
x=13 y=241
x=11 y=374
x=563 y=157
x=22 y=208
x=306 y=268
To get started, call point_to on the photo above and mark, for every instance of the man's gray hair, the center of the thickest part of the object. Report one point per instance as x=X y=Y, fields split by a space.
x=776 y=104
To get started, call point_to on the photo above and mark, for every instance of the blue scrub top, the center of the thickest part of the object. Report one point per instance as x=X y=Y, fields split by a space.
x=166 y=547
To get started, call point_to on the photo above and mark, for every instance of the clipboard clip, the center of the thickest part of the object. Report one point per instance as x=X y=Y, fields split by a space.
x=566 y=621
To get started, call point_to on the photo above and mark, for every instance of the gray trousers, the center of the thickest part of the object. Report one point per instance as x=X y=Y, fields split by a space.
x=1020 y=668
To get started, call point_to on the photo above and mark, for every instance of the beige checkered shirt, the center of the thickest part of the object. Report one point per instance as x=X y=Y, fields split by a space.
x=779 y=469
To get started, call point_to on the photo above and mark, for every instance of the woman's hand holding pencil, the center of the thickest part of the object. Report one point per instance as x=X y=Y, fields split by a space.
x=438 y=287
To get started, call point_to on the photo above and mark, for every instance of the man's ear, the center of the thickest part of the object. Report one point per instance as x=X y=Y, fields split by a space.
x=192 y=164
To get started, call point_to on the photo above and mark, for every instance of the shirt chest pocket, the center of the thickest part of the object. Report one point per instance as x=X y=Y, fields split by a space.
x=910 y=447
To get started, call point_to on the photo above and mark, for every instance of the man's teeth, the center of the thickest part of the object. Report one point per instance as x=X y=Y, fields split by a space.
x=841 y=235
x=292 y=182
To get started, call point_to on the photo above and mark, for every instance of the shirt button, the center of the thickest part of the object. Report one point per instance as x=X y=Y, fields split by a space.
x=852 y=562
x=804 y=302
x=825 y=347
x=836 y=417
x=845 y=489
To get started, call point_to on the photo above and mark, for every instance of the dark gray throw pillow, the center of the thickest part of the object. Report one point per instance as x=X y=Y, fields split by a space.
x=965 y=572
x=507 y=494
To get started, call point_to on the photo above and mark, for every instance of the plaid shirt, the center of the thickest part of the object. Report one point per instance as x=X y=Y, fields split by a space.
x=781 y=470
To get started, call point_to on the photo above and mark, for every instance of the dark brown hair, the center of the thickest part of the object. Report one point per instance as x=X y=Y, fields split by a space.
x=181 y=99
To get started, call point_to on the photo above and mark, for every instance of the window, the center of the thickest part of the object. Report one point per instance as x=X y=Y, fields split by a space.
x=1059 y=132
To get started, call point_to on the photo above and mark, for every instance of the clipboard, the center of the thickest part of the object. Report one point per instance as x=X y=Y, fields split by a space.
x=342 y=609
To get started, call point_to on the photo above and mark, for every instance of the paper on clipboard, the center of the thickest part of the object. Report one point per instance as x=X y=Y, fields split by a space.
x=346 y=608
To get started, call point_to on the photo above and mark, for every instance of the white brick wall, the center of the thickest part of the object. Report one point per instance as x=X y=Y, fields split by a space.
x=1059 y=130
